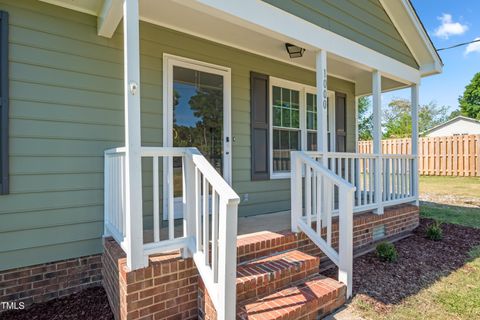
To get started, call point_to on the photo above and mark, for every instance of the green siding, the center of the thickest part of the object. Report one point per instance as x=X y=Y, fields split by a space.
x=67 y=108
x=363 y=21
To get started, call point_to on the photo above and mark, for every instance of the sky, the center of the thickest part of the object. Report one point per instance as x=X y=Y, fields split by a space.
x=448 y=22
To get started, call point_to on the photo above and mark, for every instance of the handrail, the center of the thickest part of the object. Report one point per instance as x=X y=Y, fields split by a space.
x=212 y=175
x=210 y=208
x=313 y=192
x=325 y=171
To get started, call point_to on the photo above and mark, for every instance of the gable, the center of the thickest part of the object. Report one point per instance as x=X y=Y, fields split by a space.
x=362 y=21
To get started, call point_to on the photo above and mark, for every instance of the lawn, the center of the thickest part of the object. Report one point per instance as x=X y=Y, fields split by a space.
x=453 y=294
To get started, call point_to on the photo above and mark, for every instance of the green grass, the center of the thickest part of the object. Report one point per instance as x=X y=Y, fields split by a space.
x=457 y=295
x=464 y=216
x=450 y=186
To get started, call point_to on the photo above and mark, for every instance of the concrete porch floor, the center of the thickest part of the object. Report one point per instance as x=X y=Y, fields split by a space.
x=276 y=221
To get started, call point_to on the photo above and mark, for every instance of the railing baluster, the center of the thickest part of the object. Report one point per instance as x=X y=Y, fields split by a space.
x=329 y=206
x=364 y=187
x=308 y=195
x=171 y=213
x=122 y=192
x=319 y=182
x=198 y=210
x=214 y=236
x=371 y=182
x=156 y=202
x=205 y=220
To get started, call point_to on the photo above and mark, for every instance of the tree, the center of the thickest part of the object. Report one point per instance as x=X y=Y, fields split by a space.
x=454 y=114
x=470 y=100
x=397 y=120
x=365 y=119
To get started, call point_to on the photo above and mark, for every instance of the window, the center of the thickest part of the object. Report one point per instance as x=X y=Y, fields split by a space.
x=293 y=122
x=311 y=121
x=3 y=102
x=286 y=126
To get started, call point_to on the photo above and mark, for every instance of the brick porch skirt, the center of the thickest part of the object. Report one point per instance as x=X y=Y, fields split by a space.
x=169 y=287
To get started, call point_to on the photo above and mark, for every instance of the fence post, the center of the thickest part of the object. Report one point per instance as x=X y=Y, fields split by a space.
x=296 y=193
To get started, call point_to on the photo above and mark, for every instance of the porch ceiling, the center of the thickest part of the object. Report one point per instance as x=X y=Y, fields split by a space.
x=199 y=23
x=219 y=30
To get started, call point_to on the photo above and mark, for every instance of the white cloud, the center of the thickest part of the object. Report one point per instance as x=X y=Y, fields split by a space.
x=449 y=28
x=473 y=47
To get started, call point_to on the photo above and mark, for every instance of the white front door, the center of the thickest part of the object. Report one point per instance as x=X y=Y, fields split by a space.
x=197 y=113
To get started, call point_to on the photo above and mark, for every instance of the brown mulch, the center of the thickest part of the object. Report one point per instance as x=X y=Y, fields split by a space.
x=89 y=304
x=420 y=263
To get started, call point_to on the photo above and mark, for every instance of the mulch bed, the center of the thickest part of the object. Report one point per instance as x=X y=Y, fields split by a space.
x=420 y=263
x=89 y=304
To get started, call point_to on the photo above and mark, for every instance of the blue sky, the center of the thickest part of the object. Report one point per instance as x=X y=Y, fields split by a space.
x=448 y=22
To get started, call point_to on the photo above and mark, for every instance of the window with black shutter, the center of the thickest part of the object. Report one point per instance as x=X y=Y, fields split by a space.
x=3 y=102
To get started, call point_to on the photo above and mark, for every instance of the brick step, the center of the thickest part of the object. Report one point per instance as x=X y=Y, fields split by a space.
x=260 y=277
x=265 y=243
x=311 y=299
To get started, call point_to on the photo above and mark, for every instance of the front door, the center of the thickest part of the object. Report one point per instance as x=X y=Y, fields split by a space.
x=199 y=116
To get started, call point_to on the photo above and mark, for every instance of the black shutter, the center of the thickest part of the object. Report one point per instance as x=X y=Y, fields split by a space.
x=340 y=122
x=259 y=118
x=3 y=102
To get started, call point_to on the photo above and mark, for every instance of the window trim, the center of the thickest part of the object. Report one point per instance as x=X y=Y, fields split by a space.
x=303 y=90
x=4 y=96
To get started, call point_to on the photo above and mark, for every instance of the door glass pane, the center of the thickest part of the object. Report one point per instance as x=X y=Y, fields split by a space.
x=197 y=117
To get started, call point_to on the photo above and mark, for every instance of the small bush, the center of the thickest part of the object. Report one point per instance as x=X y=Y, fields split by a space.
x=434 y=231
x=386 y=251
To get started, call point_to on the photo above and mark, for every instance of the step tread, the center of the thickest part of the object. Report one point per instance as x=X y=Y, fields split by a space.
x=317 y=294
x=263 y=276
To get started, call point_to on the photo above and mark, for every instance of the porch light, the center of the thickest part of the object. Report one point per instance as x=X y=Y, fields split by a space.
x=294 y=51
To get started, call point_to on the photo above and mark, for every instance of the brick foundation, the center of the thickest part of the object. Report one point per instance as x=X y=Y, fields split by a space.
x=51 y=280
x=396 y=219
x=166 y=289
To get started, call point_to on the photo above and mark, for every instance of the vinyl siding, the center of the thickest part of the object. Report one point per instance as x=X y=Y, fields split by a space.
x=66 y=108
x=363 y=21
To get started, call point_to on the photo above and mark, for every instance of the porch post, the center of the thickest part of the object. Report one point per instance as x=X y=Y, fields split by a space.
x=133 y=168
x=377 y=137
x=415 y=90
x=322 y=136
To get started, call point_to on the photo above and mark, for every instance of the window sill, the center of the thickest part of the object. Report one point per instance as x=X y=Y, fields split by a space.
x=280 y=175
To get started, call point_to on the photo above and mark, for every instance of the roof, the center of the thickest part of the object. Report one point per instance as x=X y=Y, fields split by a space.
x=406 y=20
x=446 y=123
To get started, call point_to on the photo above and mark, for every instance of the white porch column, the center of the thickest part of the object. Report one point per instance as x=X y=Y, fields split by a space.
x=377 y=137
x=415 y=90
x=322 y=136
x=133 y=168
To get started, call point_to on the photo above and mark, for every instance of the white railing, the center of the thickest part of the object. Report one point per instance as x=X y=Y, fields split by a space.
x=315 y=191
x=390 y=173
x=209 y=217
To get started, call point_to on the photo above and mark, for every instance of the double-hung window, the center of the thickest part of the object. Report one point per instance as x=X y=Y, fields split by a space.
x=293 y=109
x=286 y=131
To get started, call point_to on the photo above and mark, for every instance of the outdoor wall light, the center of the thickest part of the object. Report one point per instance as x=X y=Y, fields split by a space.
x=294 y=51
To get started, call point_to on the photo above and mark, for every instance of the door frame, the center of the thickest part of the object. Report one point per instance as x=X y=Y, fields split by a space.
x=169 y=61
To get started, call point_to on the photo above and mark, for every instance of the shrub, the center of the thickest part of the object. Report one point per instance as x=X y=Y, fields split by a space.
x=386 y=251
x=434 y=231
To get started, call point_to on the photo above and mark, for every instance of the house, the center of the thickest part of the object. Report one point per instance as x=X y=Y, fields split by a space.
x=455 y=127
x=139 y=136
